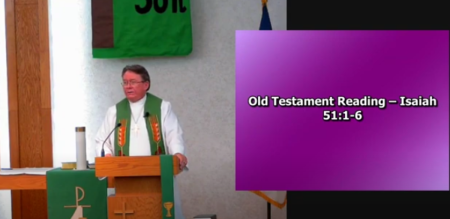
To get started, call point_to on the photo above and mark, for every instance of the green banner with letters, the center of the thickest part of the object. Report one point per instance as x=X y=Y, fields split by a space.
x=141 y=28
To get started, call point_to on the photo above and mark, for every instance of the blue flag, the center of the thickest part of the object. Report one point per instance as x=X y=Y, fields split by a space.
x=265 y=20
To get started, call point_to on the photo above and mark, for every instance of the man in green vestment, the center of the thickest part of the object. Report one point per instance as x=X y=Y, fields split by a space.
x=148 y=126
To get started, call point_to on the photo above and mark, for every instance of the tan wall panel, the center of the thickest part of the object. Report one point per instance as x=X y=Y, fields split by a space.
x=28 y=79
x=29 y=97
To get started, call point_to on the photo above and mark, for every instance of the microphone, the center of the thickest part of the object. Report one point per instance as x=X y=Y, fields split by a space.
x=103 y=145
x=146 y=115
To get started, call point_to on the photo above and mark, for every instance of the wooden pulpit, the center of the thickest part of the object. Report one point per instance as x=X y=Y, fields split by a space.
x=137 y=180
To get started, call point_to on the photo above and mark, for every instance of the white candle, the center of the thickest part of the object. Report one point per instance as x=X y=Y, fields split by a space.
x=80 y=133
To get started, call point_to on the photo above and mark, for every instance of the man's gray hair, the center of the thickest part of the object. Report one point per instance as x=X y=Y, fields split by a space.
x=138 y=69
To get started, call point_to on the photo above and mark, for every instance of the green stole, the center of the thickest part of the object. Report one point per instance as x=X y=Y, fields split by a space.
x=152 y=108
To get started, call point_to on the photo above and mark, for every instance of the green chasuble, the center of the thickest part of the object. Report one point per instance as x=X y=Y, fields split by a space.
x=152 y=112
x=141 y=28
x=76 y=193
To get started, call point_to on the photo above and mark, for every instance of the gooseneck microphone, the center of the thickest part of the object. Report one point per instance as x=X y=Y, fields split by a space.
x=103 y=145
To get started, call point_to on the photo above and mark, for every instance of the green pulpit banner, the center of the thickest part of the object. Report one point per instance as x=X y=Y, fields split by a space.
x=76 y=194
x=141 y=28
x=167 y=181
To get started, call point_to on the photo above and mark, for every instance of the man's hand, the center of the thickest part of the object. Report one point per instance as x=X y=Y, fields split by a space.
x=108 y=155
x=182 y=159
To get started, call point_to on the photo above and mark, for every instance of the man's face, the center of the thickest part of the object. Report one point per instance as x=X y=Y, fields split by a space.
x=133 y=86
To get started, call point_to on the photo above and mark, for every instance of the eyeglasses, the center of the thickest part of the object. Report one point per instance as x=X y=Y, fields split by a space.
x=132 y=83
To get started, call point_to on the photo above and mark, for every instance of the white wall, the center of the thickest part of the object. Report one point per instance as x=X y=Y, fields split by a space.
x=5 y=195
x=200 y=87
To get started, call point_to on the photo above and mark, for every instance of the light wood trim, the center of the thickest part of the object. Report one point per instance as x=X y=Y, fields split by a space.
x=111 y=183
x=23 y=182
x=131 y=166
x=10 y=18
x=44 y=55
x=46 y=101
x=47 y=141
x=27 y=182
x=13 y=105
